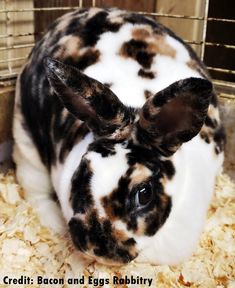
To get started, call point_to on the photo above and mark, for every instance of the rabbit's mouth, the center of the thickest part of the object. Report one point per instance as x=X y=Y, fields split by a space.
x=100 y=242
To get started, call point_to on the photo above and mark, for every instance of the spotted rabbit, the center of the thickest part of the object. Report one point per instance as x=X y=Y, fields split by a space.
x=118 y=116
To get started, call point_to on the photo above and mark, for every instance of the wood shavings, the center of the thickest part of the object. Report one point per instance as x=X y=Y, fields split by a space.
x=29 y=249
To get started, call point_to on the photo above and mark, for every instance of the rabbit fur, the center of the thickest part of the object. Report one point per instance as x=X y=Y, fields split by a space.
x=117 y=116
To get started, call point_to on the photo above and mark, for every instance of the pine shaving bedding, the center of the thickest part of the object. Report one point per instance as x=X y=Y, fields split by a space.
x=30 y=250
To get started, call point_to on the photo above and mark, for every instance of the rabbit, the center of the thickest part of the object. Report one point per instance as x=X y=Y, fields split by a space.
x=117 y=117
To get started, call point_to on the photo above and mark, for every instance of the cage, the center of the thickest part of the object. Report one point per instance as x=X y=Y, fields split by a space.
x=207 y=25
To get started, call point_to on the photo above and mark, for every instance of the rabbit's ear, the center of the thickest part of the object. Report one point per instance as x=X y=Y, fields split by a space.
x=174 y=115
x=87 y=99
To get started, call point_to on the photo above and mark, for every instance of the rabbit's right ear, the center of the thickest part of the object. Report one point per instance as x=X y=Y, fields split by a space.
x=87 y=99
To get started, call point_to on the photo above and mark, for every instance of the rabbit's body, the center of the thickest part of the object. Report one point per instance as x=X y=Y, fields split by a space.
x=94 y=163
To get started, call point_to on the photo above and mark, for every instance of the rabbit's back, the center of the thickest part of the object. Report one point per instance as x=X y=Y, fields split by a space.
x=131 y=54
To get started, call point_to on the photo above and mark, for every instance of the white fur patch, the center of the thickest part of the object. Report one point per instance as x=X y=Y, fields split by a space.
x=107 y=170
x=106 y=173
x=191 y=190
x=123 y=72
x=62 y=174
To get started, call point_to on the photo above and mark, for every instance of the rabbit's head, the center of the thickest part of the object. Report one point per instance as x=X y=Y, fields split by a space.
x=118 y=192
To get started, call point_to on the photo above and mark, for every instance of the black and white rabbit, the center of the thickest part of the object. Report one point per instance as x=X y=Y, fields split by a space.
x=124 y=126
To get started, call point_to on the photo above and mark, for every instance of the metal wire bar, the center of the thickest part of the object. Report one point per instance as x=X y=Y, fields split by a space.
x=228 y=71
x=220 y=45
x=224 y=84
x=2 y=36
x=7 y=76
x=80 y=3
x=204 y=29
x=17 y=46
x=13 y=59
x=139 y=12
x=19 y=35
x=185 y=16
x=40 y=9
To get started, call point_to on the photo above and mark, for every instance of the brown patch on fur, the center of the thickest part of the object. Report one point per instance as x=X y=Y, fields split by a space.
x=137 y=50
x=108 y=210
x=64 y=114
x=213 y=113
x=119 y=234
x=206 y=134
x=88 y=58
x=213 y=131
x=140 y=174
x=142 y=33
x=122 y=132
x=69 y=47
x=141 y=226
x=143 y=47
x=149 y=111
x=147 y=94
x=146 y=74
x=195 y=66
x=156 y=43
x=164 y=180
x=160 y=46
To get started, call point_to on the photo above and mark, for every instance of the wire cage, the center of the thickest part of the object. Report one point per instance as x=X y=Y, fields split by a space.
x=207 y=25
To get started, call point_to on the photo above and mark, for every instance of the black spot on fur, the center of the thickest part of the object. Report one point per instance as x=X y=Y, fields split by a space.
x=105 y=243
x=103 y=146
x=72 y=137
x=146 y=74
x=89 y=58
x=38 y=116
x=142 y=155
x=137 y=50
x=220 y=139
x=168 y=168
x=55 y=198
x=129 y=242
x=79 y=234
x=147 y=94
x=214 y=100
x=99 y=235
x=155 y=220
x=212 y=123
x=94 y=27
x=81 y=196
x=73 y=27
x=108 y=84
x=205 y=137
x=53 y=40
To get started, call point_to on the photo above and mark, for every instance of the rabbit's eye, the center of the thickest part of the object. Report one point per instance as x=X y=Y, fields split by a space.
x=144 y=195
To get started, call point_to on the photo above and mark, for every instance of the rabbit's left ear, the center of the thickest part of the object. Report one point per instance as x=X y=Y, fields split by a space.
x=88 y=99
x=174 y=115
